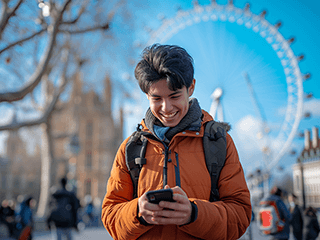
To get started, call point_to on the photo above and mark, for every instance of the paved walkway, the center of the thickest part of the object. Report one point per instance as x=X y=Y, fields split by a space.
x=95 y=233
x=99 y=233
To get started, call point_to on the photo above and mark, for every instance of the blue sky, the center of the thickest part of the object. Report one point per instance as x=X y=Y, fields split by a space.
x=223 y=51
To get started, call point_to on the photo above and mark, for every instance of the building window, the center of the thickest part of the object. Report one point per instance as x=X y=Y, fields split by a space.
x=88 y=187
x=89 y=130
x=89 y=159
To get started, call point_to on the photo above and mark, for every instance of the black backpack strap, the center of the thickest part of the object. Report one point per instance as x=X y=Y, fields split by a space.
x=135 y=156
x=215 y=150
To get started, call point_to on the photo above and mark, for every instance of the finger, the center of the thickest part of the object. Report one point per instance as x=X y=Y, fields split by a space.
x=183 y=207
x=170 y=205
x=147 y=212
x=170 y=214
x=180 y=198
x=166 y=187
x=178 y=190
x=166 y=220
x=144 y=204
x=153 y=207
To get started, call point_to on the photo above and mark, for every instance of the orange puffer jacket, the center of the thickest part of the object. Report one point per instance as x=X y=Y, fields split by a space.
x=224 y=219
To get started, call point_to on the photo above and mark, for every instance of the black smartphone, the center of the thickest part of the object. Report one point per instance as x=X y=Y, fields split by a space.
x=160 y=195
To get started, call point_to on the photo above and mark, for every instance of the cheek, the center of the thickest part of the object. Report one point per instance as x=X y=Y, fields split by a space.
x=184 y=104
x=153 y=106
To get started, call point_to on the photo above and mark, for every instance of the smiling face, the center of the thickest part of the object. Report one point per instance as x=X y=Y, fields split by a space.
x=169 y=106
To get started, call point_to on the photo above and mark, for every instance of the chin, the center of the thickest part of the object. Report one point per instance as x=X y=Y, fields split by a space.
x=171 y=124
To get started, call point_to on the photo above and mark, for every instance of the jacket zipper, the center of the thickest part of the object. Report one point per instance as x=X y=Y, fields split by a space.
x=177 y=171
x=165 y=168
x=165 y=165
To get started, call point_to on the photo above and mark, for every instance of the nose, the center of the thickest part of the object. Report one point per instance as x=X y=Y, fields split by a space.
x=166 y=105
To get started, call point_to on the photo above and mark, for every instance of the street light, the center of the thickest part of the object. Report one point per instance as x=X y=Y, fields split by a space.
x=300 y=162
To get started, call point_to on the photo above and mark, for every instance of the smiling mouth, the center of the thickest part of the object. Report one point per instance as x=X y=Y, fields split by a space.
x=169 y=115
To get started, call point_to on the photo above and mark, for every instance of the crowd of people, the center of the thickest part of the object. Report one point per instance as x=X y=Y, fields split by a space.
x=18 y=216
x=302 y=223
x=64 y=214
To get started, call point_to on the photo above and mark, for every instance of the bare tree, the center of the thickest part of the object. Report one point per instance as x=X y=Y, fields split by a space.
x=42 y=43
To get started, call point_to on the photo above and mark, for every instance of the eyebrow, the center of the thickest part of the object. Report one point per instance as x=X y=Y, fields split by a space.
x=177 y=92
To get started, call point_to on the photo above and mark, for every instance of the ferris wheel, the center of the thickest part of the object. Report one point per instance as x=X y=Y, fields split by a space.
x=230 y=85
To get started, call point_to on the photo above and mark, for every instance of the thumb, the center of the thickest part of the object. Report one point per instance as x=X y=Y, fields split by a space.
x=166 y=187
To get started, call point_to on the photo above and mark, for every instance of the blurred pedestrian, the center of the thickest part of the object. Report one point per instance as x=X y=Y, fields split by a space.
x=296 y=219
x=7 y=215
x=280 y=230
x=89 y=211
x=64 y=212
x=25 y=219
x=311 y=224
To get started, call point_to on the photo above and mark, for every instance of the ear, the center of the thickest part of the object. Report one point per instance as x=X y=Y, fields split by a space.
x=147 y=95
x=191 y=88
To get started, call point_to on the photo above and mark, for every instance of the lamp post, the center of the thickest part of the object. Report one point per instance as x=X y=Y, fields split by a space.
x=300 y=161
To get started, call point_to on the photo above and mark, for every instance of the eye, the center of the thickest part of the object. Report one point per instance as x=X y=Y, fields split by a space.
x=175 y=96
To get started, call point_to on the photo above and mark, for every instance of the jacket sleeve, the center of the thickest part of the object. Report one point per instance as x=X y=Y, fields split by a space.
x=229 y=217
x=119 y=210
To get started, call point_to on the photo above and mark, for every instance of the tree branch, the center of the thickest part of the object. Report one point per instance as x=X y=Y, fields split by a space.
x=7 y=14
x=78 y=17
x=50 y=108
x=36 y=76
x=102 y=27
x=22 y=40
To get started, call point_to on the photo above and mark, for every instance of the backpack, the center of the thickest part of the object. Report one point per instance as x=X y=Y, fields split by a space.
x=214 y=144
x=269 y=220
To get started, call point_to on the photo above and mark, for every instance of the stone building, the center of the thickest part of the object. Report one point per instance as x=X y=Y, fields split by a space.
x=306 y=172
x=20 y=171
x=86 y=138
x=86 y=120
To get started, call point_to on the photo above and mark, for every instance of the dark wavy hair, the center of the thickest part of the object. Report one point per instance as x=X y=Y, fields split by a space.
x=169 y=62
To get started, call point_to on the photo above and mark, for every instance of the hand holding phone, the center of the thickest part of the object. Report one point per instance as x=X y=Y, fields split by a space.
x=160 y=195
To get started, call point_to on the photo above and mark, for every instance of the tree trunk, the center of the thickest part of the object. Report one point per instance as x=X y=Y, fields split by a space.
x=46 y=160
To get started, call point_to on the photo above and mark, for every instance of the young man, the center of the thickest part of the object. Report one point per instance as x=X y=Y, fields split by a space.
x=176 y=160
